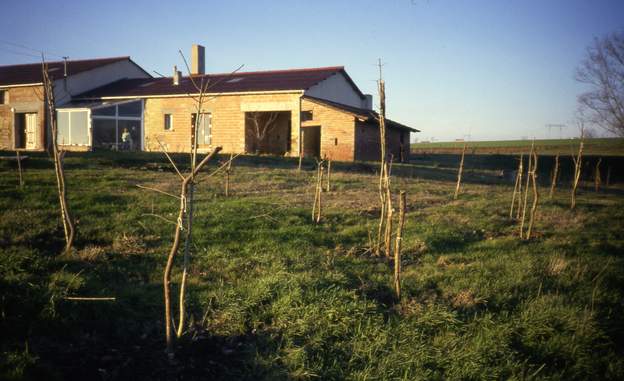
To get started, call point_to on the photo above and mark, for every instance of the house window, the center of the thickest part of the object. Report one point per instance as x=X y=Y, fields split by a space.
x=204 y=128
x=335 y=141
x=168 y=122
x=4 y=99
x=306 y=115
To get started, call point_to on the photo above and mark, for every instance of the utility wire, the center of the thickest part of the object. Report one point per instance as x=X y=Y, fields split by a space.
x=29 y=48
x=18 y=53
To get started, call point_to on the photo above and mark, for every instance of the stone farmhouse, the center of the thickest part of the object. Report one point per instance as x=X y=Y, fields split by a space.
x=22 y=102
x=316 y=112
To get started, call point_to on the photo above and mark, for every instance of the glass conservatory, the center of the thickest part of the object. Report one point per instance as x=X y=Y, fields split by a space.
x=114 y=126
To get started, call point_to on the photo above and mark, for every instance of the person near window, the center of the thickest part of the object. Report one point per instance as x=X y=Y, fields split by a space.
x=126 y=140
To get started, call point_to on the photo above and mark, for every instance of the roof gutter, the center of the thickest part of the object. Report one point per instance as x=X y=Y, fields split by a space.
x=21 y=85
x=188 y=95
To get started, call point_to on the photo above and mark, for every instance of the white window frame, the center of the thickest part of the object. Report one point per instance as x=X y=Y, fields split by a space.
x=70 y=110
x=165 y=115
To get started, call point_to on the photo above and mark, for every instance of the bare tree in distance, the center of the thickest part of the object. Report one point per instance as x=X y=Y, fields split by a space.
x=603 y=70
x=262 y=124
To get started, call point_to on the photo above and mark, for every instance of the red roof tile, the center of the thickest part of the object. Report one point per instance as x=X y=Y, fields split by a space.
x=32 y=73
x=274 y=80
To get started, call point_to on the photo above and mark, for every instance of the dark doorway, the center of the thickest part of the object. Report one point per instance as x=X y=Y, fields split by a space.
x=26 y=131
x=268 y=132
x=311 y=138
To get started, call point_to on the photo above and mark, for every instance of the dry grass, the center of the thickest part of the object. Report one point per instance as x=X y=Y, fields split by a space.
x=556 y=266
x=91 y=253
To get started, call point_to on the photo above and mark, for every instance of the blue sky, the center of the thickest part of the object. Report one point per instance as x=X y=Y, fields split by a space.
x=492 y=69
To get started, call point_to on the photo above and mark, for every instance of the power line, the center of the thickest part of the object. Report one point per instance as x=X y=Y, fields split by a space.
x=22 y=46
x=18 y=53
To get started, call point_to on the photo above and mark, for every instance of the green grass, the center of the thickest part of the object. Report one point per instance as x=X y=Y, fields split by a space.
x=597 y=146
x=274 y=296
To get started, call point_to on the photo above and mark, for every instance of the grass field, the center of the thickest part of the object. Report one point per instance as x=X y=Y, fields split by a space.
x=274 y=296
x=598 y=146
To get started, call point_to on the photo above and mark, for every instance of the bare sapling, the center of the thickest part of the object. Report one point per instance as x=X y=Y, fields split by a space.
x=517 y=187
x=58 y=156
x=318 y=188
x=184 y=221
x=597 y=177
x=533 y=177
x=526 y=190
x=384 y=181
x=459 y=173
x=19 y=169
x=328 y=184
x=578 y=160
x=389 y=213
x=554 y=178
x=397 y=245
x=228 y=169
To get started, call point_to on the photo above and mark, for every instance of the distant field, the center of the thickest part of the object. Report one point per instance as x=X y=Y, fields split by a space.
x=601 y=146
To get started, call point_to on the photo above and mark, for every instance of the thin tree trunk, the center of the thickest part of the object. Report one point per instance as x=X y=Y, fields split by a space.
x=397 y=246
x=389 y=212
x=228 y=168
x=517 y=184
x=526 y=191
x=577 y=174
x=597 y=177
x=328 y=185
x=300 y=149
x=184 y=188
x=459 y=173
x=555 y=175
x=68 y=225
x=535 y=196
x=383 y=168
x=19 y=169
x=320 y=190
x=187 y=245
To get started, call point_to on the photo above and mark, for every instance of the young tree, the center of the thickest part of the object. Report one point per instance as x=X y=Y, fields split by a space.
x=58 y=156
x=603 y=70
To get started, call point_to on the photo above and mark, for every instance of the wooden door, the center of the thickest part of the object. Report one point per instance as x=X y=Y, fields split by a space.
x=31 y=130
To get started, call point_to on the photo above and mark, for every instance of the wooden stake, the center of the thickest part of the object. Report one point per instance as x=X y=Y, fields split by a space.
x=459 y=173
x=555 y=175
x=397 y=245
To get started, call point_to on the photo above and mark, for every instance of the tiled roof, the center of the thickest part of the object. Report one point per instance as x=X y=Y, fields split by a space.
x=274 y=80
x=370 y=116
x=32 y=73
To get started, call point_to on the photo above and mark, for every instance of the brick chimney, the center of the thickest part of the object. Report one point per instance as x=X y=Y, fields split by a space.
x=198 y=59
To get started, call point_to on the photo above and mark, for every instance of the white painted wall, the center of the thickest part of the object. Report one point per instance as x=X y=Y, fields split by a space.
x=76 y=84
x=337 y=89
